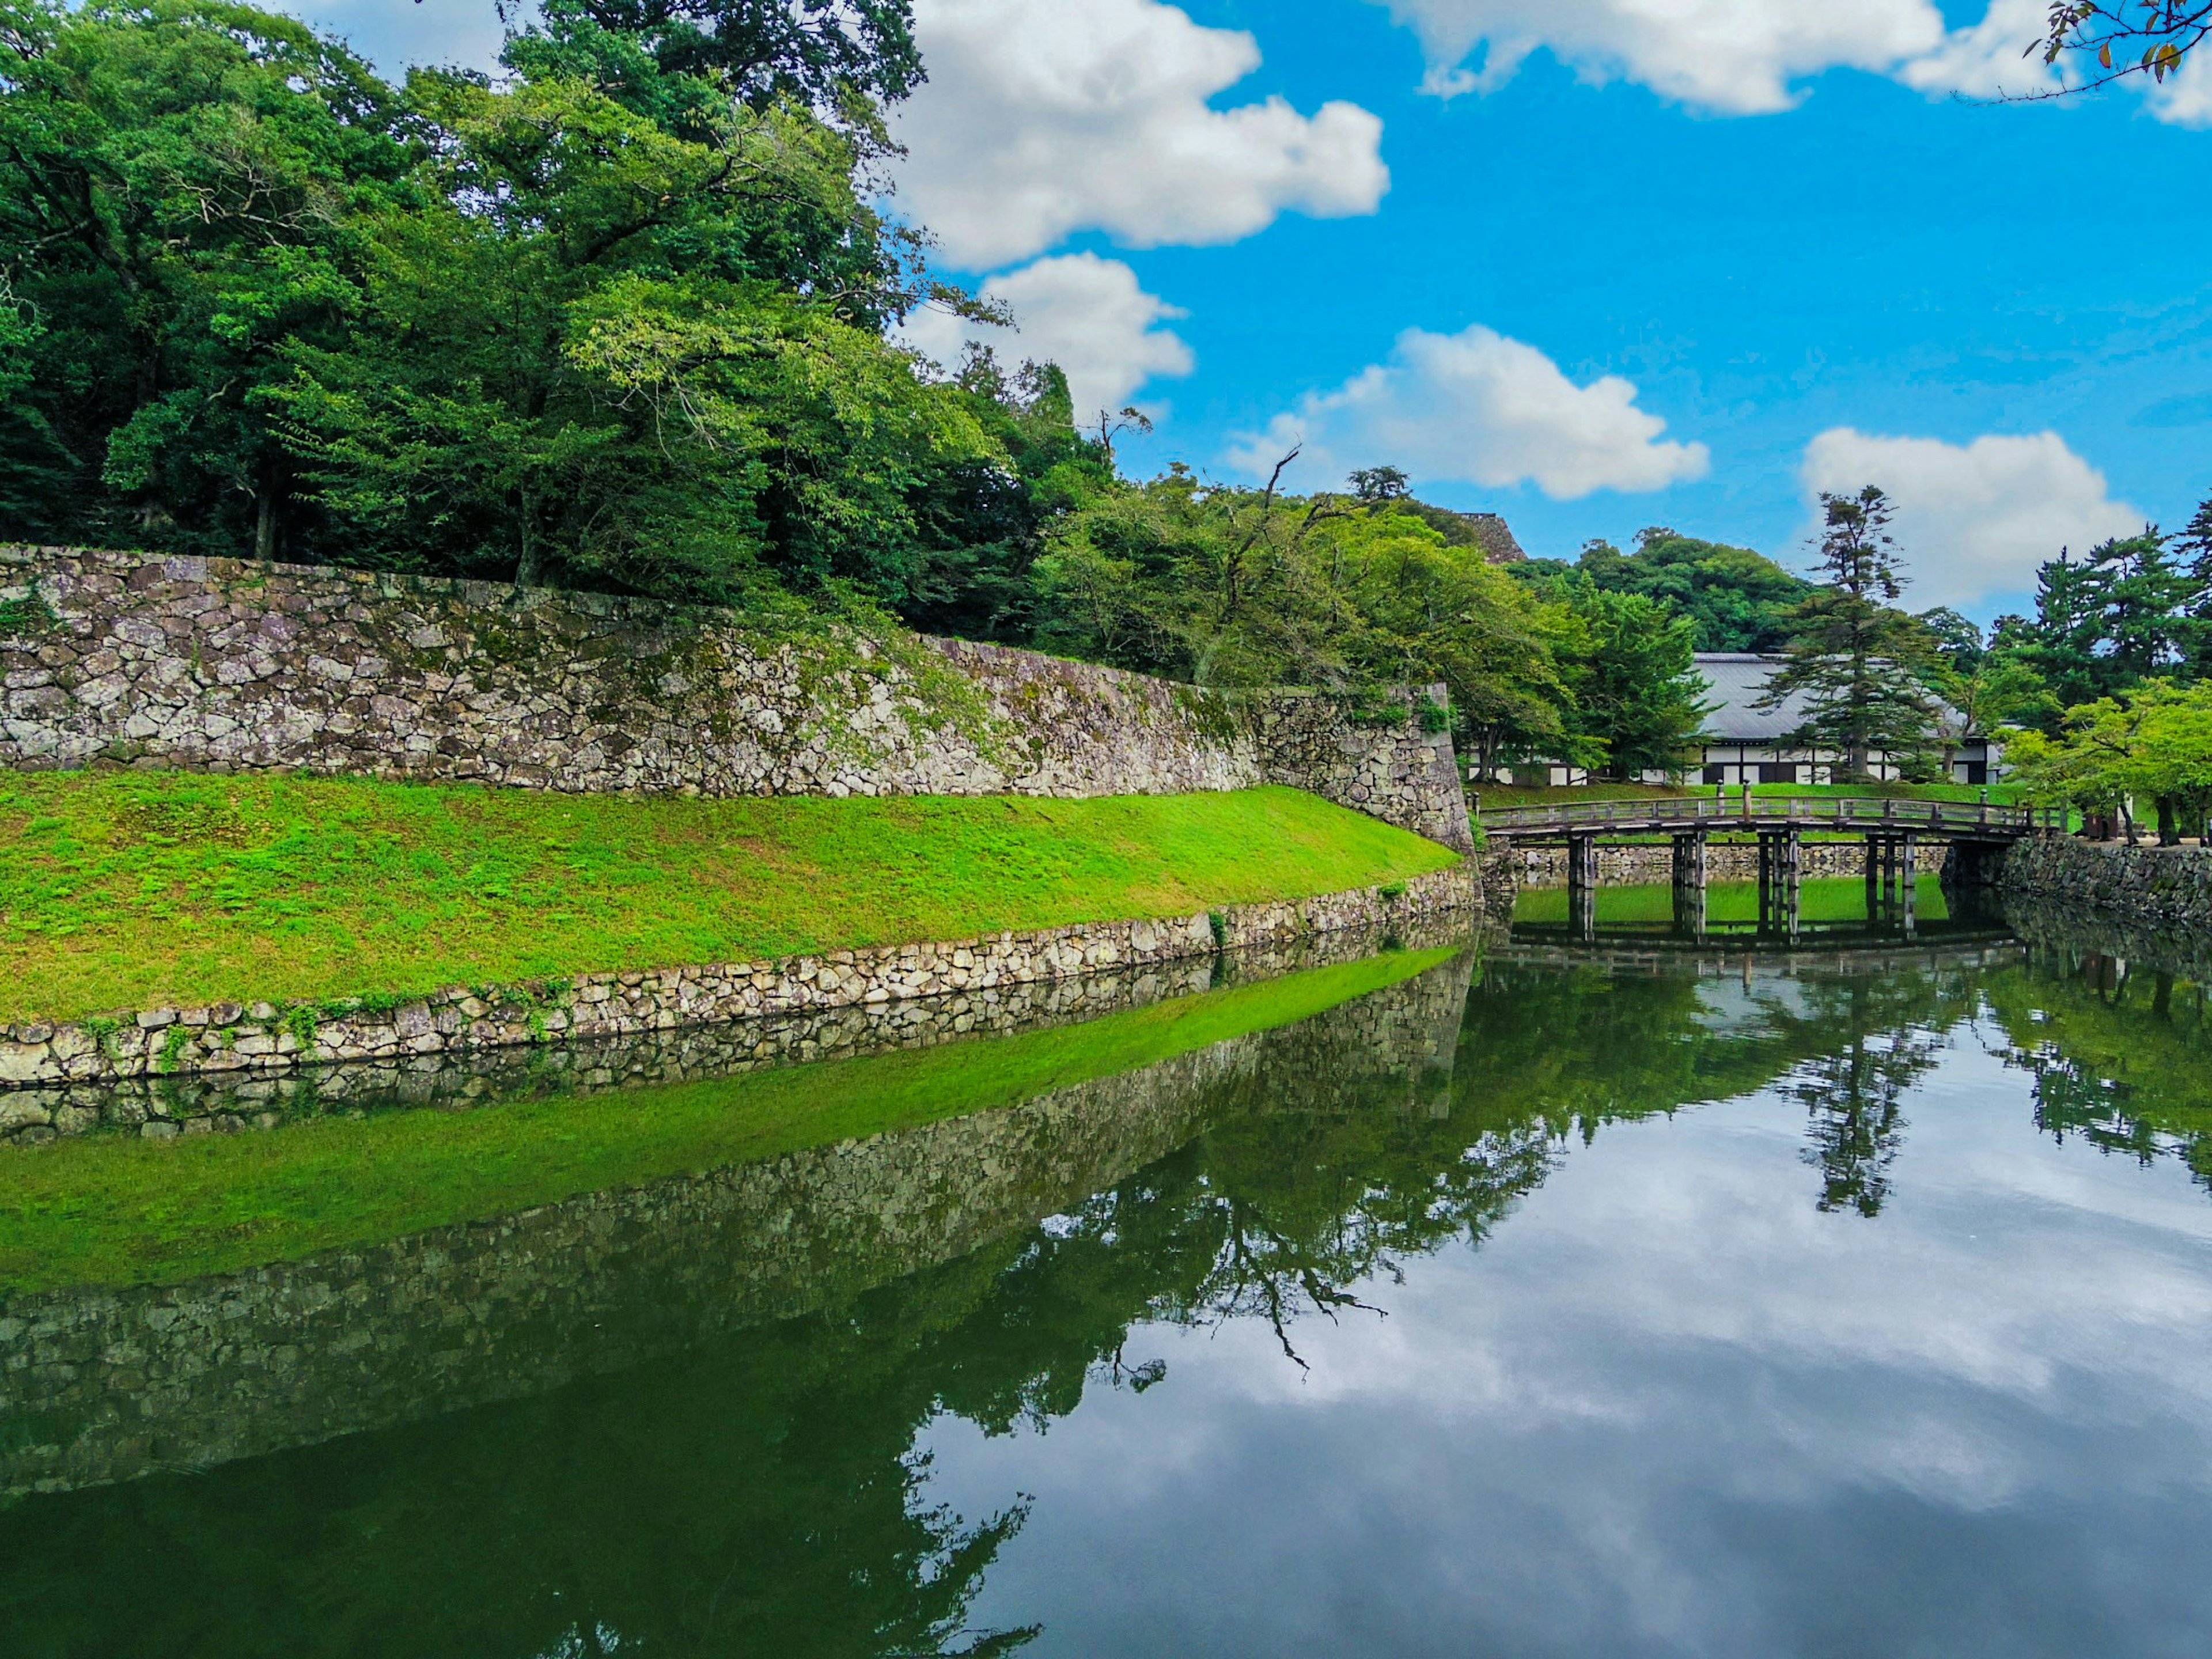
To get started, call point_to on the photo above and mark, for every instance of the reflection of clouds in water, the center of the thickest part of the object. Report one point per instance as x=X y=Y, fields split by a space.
x=1669 y=1407
x=1729 y=1007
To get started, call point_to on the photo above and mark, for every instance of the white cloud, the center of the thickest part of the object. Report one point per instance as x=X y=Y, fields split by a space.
x=1732 y=56
x=1475 y=407
x=1974 y=520
x=2184 y=98
x=1988 y=59
x=1738 y=57
x=1041 y=118
x=1089 y=315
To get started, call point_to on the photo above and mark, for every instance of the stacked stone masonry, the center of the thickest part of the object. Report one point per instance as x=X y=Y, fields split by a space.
x=2162 y=884
x=1654 y=865
x=228 y=665
x=161 y=1106
x=226 y=1036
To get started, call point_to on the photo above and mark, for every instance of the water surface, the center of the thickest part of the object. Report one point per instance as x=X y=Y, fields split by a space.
x=1743 y=1298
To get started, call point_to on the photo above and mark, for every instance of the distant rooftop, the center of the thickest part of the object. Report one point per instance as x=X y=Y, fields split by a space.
x=1736 y=681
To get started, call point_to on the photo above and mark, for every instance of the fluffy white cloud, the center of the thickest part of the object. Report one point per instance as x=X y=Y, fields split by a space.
x=2184 y=98
x=1089 y=315
x=1044 y=116
x=1736 y=56
x=1974 y=520
x=1475 y=407
x=1988 y=59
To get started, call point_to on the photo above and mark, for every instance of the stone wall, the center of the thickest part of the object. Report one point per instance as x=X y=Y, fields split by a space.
x=162 y=1043
x=158 y=1106
x=100 y=1386
x=2168 y=883
x=1644 y=865
x=127 y=658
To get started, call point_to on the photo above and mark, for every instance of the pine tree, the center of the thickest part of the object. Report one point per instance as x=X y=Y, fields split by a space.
x=1855 y=657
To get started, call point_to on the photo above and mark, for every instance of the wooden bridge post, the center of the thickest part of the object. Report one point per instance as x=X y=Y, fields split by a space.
x=1582 y=885
x=1909 y=884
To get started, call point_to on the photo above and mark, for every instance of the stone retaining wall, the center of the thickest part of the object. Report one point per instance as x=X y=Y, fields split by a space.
x=105 y=1385
x=164 y=1106
x=220 y=665
x=1643 y=865
x=263 y=1037
x=2168 y=883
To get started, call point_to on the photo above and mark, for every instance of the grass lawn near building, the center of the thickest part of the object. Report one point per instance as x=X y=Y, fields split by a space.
x=133 y=889
x=1820 y=898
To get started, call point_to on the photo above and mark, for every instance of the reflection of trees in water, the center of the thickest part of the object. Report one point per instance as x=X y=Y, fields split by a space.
x=1855 y=1097
x=1848 y=1047
x=772 y=1493
x=2120 y=1052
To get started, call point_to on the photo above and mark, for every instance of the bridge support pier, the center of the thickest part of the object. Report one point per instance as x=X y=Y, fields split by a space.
x=1690 y=885
x=1892 y=879
x=1582 y=885
x=1781 y=871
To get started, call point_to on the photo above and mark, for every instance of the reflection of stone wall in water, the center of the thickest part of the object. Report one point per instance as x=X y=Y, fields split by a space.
x=2071 y=930
x=101 y=1386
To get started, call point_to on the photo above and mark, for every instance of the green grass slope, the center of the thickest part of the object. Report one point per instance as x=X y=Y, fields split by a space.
x=108 y=1210
x=122 y=891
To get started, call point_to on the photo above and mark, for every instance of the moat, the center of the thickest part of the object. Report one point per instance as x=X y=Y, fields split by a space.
x=1522 y=1294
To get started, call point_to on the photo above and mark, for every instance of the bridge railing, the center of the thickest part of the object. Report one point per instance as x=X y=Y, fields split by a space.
x=1851 y=814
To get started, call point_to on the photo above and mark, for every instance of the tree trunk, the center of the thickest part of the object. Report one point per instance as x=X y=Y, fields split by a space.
x=268 y=511
x=2169 y=823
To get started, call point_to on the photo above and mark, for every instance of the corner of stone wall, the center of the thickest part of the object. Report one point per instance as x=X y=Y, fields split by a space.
x=1391 y=769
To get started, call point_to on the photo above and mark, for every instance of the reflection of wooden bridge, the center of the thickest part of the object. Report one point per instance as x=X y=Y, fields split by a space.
x=1729 y=949
x=1892 y=829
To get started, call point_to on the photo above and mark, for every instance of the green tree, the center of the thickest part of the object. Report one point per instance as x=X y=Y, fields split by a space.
x=1636 y=699
x=1738 y=600
x=827 y=54
x=1855 y=657
x=182 y=204
x=589 y=357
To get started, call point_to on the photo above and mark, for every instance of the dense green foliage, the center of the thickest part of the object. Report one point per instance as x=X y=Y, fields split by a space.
x=136 y=889
x=628 y=317
x=1737 y=599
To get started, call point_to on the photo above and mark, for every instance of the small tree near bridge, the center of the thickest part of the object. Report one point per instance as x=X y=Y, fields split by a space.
x=1857 y=660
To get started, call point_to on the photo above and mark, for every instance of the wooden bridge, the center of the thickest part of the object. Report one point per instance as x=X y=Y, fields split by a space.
x=1892 y=829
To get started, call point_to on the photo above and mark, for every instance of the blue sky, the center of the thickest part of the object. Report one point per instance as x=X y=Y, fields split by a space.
x=1500 y=242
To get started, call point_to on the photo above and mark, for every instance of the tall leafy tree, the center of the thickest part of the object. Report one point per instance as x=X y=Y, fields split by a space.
x=183 y=202
x=609 y=349
x=1856 y=658
x=827 y=54
x=1737 y=599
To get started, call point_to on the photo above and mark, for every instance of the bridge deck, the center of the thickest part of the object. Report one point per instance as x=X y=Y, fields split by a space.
x=1849 y=815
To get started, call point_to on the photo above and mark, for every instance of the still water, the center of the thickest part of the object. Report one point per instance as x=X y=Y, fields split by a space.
x=1503 y=1297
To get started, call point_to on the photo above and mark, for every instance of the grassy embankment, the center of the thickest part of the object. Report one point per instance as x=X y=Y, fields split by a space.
x=108 y=1210
x=1820 y=898
x=123 y=891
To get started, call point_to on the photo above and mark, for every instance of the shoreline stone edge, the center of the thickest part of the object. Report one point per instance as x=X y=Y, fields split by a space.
x=265 y=1037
